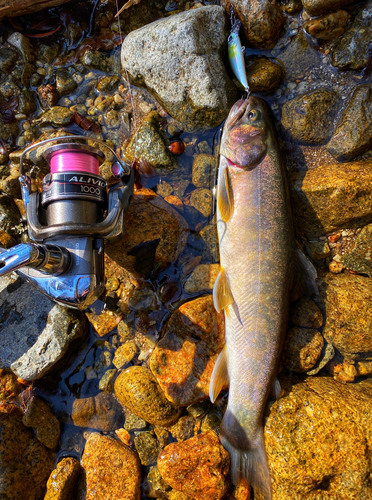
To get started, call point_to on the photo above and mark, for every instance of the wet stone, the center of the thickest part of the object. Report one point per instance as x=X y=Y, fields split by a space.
x=353 y=134
x=8 y=58
x=103 y=323
x=9 y=387
x=61 y=484
x=209 y=236
x=124 y=354
x=203 y=171
x=302 y=419
x=198 y=467
x=348 y=320
x=9 y=213
x=137 y=389
x=108 y=83
x=155 y=486
x=330 y=26
x=65 y=84
x=183 y=360
x=263 y=74
x=331 y=197
x=27 y=102
x=305 y=313
x=40 y=416
x=72 y=439
x=202 y=278
x=162 y=435
x=107 y=381
x=147 y=447
x=110 y=470
x=101 y=412
x=57 y=116
x=309 y=117
x=48 y=53
x=183 y=429
x=352 y=50
x=302 y=349
x=201 y=199
x=318 y=250
x=318 y=7
x=23 y=44
x=134 y=423
x=359 y=258
x=292 y=6
x=299 y=57
x=96 y=60
x=25 y=463
x=164 y=189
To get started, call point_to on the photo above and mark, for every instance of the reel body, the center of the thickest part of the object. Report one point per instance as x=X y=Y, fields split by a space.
x=69 y=222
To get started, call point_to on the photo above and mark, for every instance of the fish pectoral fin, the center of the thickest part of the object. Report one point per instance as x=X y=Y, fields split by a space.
x=220 y=376
x=225 y=197
x=303 y=276
x=222 y=296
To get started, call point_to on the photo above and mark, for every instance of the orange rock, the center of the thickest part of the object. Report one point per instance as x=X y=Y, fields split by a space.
x=198 y=467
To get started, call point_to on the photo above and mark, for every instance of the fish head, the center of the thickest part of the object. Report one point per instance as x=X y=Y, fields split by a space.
x=246 y=132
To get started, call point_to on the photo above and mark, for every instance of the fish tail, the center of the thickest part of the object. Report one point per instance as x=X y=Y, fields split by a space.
x=248 y=458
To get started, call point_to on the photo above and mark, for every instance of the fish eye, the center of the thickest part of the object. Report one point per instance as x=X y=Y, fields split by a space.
x=253 y=114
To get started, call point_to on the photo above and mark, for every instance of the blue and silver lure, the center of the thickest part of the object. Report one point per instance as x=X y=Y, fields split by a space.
x=236 y=56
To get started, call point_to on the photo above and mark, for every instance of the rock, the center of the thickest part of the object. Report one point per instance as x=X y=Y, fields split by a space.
x=9 y=386
x=353 y=133
x=62 y=481
x=318 y=250
x=299 y=57
x=150 y=144
x=65 y=84
x=330 y=26
x=202 y=278
x=198 y=467
x=23 y=44
x=302 y=349
x=147 y=447
x=319 y=7
x=359 y=258
x=110 y=470
x=184 y=71
x=107 y=380
x=6 y=241
x=164 y=189
x=103 y=323
x=184 y=358
x=48 y=96
x=39 y=416
x=292 y=6
x=348 y=320
x=124 y=354
x=309 y=117
x=209 y=236
x=183 y=429
x=204 y=171
x=301 y=420
x=137 y=389
x=8 y=58
x=9 y=214
x=328 y=352
x=101 y=412
x=154 y=233
x=48 y=53
x=262 y=21
x=64 y=331
x=108 y=83
x=332 y=196
x=201 y=199
x=305 y=313
x=154 y=486
x=93 y=59
x=58 y=116
x=124 y=437
x=352 y=50
x=134 y=423
x=27 y=102
x=25 y=463
x=263 y=74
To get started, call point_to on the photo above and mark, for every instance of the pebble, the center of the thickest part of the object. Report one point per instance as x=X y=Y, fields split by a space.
x=183 y=429
x=39 y=416
x=318 y=250
x=62 y=482
x=359 y=258
x=147 y=447
x=263 y=74
x=202 y=278
x=103 y=323
x=302 y=349
x=124 y=354
x=330 y=26
x=9 y=386
x=201 y=199
x=101 y=412
x=305 y=313
x=203 y=171
x=57 y=116
x=107 y=380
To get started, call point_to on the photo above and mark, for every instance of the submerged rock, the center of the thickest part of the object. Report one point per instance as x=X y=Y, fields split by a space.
x=317 y=440
x=64 y=331
x=101 y=412
x=110 y=470
x=203 y=171
x=309 y=117
x=184 y=358
x=319 y=7
x=202 y=278
x=198 y=467
x=25 y=463
x=9 y=386
x=299 y=57
x=263 y=74
x=305 y=313
x=57 y=116
x=61 y=484
x=8 y=58
x=184 y=71
x=9 y=214
x=137 y=389
x=353 y=134
x=330 y=26
x=359 y=258
x=40 y=416
x=330 y=197
x=147 y=447
x=302 y=349
x=352 y=50
x=348 y=320
x=262 y=21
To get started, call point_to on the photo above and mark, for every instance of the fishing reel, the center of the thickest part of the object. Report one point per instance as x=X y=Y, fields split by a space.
x=69 y=222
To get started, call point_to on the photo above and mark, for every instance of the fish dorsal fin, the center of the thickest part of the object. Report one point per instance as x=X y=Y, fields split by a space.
x=225 y=200
x=220 y=376
x=222 y=296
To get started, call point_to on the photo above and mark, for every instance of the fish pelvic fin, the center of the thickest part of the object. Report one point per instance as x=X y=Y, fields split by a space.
x=304 y=275
x=222 y=296
x=220 y=375
x=225 y=197
x=248 y=458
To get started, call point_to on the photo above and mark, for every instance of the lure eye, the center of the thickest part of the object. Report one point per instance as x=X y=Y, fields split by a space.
x=253 y=114
x=230 y=39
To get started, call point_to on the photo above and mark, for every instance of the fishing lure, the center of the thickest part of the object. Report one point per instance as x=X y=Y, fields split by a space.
x=236 y=56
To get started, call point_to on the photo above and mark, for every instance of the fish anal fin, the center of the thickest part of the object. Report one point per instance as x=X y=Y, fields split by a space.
x=222 y=296
x=220 y=376
x=225 y=197
x=303 y=276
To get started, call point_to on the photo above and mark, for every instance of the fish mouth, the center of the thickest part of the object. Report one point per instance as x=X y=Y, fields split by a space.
x=239 y=112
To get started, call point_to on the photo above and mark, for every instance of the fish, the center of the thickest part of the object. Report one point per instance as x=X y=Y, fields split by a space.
x=236 y=55
x=259 y=262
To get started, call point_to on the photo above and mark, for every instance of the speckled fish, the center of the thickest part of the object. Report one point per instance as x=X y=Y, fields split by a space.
x=236 y=56
x=257 y=254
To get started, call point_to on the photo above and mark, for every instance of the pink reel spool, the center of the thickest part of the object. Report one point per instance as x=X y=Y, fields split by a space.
x=66 y=160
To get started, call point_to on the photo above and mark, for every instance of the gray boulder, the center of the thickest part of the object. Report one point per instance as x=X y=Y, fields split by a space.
x=179 y=60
